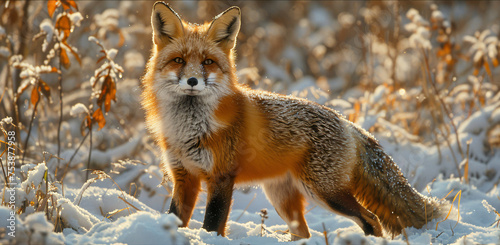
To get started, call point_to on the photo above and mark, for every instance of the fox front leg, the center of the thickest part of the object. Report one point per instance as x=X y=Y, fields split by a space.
x=186 y=189
x=220 y=191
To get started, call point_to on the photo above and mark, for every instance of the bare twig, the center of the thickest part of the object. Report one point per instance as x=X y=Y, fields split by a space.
x=325 y=233
x=248 y=205
x=16 y=79
x=60 y=108
x=394 y=56
x=263 y=215
x=466 y=167
x=110 y=214
x=130 y=204
x=438 y=147
x=443 y=104
x=29 y=130
x=90 y=153
x=403 y=231
x=452 y=154
x=309 y=210
x=4 y=109
x=73 y=156
x=459 y=195
x=101 y=173
x=4 y=173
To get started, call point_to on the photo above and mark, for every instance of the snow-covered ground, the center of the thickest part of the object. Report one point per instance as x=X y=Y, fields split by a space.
x=96 y=213
x=441 y=123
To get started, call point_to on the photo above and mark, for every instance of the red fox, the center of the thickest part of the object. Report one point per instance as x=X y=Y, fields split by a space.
x=212 y=129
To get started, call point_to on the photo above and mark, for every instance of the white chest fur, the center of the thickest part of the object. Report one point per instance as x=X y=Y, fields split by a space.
x=186 y=120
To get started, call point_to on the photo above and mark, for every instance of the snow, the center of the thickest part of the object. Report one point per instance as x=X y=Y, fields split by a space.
x=93 y=39
x=6 y=120
x=153 y=229
x=100 y=158
x=38 y=222
x=346 y=19
x=4 y=52
x=76 y=217
x=46 y=26
x=76 y=18
x=78 y=109
x=112 y=53
x=35 y=177
x=134 y=60
x=476 y=221
x=320 y=17
x=480 y=120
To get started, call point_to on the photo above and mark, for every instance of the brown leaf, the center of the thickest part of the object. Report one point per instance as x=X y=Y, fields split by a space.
x=63 y=24
x=112 y=91
x=357 y=107
x=67 y=4
x=111 y=95
x=64 y=58
x=11 y=13
x=104 y=90
x=495 y=62
x=72 y=3
x=100 y=59
x=107 y=103
x=122 y=38
x=51 y=6
x=449 y=60
x=35 y=96
x=482 y=99
x=99 y=118
x=103 y=56
x=487 y=68
x=44 y=88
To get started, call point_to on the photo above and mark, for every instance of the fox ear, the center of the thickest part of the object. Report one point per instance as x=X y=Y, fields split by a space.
x=167 y=24
x=225 y=28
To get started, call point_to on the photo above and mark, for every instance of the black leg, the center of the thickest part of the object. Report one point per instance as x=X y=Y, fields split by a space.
x=220 y=191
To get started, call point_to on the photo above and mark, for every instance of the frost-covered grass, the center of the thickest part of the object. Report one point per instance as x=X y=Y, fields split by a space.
x=421 y=77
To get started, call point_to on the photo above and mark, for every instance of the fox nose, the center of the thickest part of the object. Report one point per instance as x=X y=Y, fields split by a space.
x=192 y=81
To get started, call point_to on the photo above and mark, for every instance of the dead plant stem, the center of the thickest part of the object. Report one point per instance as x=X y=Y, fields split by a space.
x=4 y=173
x=60 y=109
x=90 y=154
x=443 y=104
x=29 y=130
x=73 y=156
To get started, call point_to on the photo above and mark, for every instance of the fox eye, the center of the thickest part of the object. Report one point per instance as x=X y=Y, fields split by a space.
x=179 y=60
x=208 y=62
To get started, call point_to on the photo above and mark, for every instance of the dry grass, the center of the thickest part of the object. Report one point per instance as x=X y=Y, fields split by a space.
x=459 y=195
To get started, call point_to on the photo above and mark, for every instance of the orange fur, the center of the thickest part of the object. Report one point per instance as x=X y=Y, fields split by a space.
x=293 y=209
x=227 y=111
x=187 y=186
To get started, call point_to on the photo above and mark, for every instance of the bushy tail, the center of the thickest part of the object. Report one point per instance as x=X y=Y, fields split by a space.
x=382 y=189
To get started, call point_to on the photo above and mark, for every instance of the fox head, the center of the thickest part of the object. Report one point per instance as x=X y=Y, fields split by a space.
x=190 y=59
